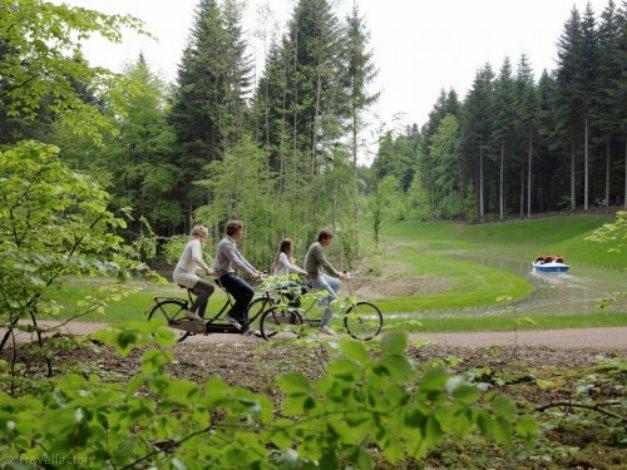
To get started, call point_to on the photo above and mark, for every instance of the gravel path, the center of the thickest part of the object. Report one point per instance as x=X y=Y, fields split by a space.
x=570 y=338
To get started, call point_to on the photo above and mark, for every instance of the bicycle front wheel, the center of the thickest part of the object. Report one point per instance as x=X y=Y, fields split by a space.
x=171 y=311
x=281 y=321
x=363 y=321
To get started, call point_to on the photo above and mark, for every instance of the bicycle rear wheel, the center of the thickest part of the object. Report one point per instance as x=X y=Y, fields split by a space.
x=171 y=311
x=363 y=321
x=281 y=321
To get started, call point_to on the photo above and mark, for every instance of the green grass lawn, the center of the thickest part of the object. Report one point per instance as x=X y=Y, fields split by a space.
x=562 y=234
x=472 y=284
x=438 y=249
x=511 y=322
x=132 y=307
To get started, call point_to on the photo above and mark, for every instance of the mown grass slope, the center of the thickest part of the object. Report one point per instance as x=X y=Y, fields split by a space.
x=445 y=249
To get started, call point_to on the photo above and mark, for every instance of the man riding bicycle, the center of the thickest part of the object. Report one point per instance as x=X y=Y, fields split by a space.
x=227 y=255
x=316 y=259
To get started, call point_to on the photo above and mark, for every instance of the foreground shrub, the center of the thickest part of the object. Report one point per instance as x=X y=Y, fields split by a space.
x=367 y=408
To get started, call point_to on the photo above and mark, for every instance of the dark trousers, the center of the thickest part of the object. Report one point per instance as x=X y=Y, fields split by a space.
x=241 y=292
x=203 y=290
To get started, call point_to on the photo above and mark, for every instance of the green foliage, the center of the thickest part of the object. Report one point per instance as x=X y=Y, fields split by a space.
x=41 y=64
x=364 y=401
x=54 y=222
x=174 y=247
x=613 y=234
x=384 y=204
x=446 y=155
x=208 y=105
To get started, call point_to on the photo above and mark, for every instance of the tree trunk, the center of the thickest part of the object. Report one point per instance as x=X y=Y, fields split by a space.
x=501 y=196
x=585 y=164
x=481 y=201
x=529 y=157
x=353 y=234
x=295 y=103
x=314 y=156
x=282 y=171
x=573 y=200
x=522 y=189
x=607 y=171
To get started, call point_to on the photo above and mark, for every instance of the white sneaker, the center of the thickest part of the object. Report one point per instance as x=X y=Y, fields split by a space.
x=234 y=322
x=193 y=316
x=325 y=329
x=252 y=333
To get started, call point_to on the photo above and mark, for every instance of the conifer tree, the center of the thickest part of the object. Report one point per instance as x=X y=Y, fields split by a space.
x=208 y=104
x=589 y=78
x=527 y=115
x=608 y=109
x=569 y=90
x=359 y=73
x=504 y=123
x=477 y=120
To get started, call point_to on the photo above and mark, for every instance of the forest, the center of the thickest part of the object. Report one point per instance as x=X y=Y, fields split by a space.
x=279 y=153
x=514 y=146
x=170 y=153
x=476 y=361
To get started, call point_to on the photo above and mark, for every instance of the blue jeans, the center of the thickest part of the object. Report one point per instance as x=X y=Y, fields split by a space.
x=332 y=286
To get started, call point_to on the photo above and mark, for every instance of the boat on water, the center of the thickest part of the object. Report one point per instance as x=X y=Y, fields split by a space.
x=550 y=264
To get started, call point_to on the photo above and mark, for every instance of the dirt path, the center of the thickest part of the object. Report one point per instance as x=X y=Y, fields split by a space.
x=570 y=338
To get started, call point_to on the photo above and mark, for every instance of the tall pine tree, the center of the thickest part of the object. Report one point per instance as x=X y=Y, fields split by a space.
x=504 y=123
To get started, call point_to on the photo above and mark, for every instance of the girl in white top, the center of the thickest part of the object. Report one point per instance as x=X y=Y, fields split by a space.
x=189 y=263
x=284 y=262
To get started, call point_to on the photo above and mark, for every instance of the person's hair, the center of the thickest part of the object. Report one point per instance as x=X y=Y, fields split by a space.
x=233 y=226
x=284 y=247
x=197 y=231
x=324 y=234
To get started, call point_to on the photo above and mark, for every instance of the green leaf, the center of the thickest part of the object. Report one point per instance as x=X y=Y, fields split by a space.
x=434 y=380
x=398 y=367
x=527 y=427
x=504 y=408
x=344 y=369
x=355 y=350
x=502 y=432
x=394 y=342
x=466 y=394
x=544 y=384
x=294 y=383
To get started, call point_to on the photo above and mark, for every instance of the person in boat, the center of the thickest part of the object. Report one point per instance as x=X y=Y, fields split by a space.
x=185 y=272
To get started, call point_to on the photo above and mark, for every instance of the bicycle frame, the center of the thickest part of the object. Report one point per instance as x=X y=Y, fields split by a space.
x=305 y=311
x=212 y=320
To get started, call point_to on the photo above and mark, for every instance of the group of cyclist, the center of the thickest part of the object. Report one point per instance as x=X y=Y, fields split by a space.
x=228 y=258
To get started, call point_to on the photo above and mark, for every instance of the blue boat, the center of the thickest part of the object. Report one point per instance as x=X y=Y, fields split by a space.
x=550 y=264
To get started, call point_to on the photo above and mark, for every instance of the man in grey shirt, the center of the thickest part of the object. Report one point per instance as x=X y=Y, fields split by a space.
x=227 y=255
x=316 y=259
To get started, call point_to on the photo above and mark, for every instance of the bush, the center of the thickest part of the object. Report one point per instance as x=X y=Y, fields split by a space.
x=365 y=405
x=54 y=222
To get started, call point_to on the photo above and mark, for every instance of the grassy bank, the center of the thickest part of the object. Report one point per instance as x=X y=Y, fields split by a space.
x=521 y=238
x=446 y=250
